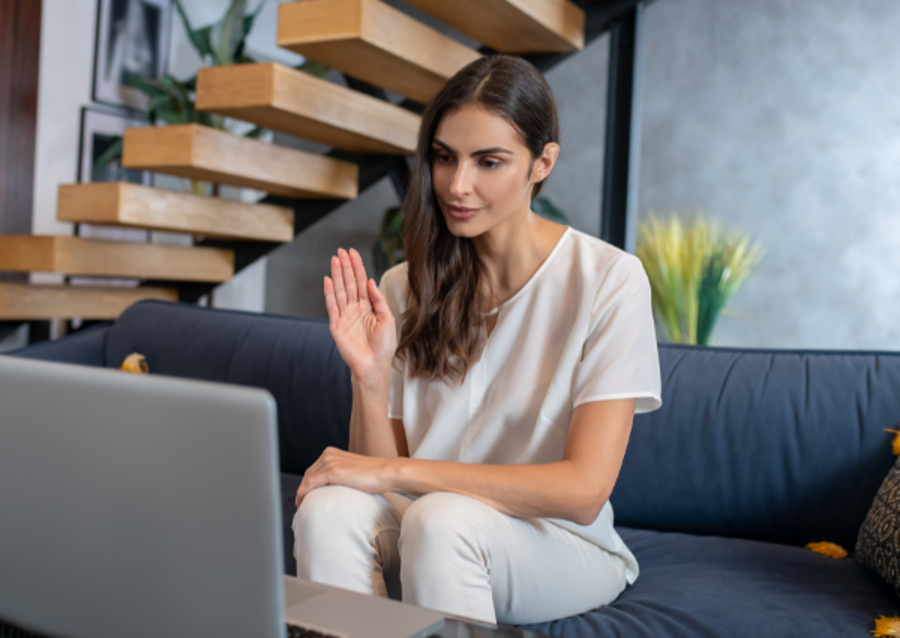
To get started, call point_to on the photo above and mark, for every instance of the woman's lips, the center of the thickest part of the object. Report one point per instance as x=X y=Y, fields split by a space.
x=458 y=212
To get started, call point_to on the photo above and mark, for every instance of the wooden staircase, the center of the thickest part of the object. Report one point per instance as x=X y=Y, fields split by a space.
x=124 y=204
x=513 y=26
x=374 y=42
x=297 y=103
x=103 y=258
x=378 y=48
x=200 y=152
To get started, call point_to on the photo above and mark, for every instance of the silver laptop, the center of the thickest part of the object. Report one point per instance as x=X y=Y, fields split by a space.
x=135 y=505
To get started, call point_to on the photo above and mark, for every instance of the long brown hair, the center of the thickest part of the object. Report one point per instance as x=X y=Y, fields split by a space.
x=442 y=328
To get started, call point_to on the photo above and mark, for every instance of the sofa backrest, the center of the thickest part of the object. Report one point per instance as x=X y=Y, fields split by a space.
x=775 y=445
x=294 y=359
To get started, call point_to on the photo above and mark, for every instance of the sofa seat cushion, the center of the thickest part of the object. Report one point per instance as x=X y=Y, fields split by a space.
x=712 y=586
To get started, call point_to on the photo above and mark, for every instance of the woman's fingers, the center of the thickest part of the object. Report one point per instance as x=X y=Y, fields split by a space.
x=337 y=276
x=359 y=271
x=308 y=484
x=349 y=278
x=330 y=301
x=379 y=303
x=348 y=282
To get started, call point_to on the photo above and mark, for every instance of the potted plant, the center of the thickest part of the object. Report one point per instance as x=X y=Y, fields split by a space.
x=694 y=268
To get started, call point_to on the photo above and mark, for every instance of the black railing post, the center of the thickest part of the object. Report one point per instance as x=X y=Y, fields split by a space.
x=620 y=167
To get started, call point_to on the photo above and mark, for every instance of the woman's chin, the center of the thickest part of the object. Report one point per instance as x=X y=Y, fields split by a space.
x=460 y=227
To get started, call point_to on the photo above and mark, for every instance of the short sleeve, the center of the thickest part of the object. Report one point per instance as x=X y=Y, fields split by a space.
x=391 y=290
x=620 y=357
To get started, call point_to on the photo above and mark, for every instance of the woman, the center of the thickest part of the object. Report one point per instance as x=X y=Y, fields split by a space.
x=495 y=377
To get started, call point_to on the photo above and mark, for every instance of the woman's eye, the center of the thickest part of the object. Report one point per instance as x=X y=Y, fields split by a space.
x=490 y=164
x=442 y=158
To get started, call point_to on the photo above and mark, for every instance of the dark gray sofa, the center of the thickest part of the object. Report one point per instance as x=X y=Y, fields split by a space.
x=754 y=454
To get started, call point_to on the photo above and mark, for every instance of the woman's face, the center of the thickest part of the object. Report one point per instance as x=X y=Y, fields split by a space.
x=480 y=171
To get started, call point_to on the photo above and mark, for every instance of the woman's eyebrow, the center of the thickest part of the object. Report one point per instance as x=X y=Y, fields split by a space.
x=484 y=151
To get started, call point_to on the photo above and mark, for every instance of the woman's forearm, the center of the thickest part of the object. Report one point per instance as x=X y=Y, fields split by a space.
x=371 y=433
x=551 y=490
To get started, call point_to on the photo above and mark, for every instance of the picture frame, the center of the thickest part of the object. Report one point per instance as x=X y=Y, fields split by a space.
x=99 y=129
x=132 y=36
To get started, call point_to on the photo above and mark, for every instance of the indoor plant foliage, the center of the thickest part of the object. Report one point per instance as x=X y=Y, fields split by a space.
x=172 y=100
x=694 y=268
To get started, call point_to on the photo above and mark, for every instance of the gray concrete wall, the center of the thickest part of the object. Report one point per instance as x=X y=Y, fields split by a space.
x=295 y=271
x=782 y=118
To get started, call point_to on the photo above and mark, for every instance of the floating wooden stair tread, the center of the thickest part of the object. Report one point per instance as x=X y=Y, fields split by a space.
x=375 y=42
x=201 y=152
x=103 y=258
x=27 y=302
x=125 y=204
x=513 y=26
x=298 y=103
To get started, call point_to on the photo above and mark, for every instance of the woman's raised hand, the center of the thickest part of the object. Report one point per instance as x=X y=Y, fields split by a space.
x=361 y=322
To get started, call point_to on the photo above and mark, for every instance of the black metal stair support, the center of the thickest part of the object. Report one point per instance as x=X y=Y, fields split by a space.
x=619 y=110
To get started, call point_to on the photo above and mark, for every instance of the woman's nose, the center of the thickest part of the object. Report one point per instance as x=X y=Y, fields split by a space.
x=462 y=183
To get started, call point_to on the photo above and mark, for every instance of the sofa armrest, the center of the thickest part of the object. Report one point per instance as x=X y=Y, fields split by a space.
x=86 y=347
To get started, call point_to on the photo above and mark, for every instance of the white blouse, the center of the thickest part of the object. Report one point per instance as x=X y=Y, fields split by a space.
x=581 y=329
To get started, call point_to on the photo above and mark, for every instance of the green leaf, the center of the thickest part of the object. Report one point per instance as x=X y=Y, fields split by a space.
x=250 y=19
x=113 y=151
x=313 y=68
x=199 y=38
x=169 y=99
x=146 y=85
x=255 y=133
x=710 y=298
x=208 y=119
x=227 y=34
x=545 y=208
x=387 y=251
x=240 y=58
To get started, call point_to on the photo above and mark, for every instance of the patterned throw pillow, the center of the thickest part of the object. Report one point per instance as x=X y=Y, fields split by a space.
x=878 y=543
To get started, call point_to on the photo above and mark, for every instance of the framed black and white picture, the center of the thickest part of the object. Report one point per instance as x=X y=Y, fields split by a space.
x=100 y=160
x=100 y=131
x=132 y=37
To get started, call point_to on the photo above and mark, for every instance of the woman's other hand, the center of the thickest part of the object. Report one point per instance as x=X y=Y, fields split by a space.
x=337 y=467
x=361 y=322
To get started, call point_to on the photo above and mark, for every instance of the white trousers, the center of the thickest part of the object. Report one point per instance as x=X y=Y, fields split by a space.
x=451 y=553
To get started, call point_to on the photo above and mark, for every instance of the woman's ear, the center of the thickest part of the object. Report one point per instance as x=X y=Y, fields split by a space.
x=542 y=166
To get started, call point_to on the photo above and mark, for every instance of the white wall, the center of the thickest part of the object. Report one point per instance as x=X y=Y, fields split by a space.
x=782 y=118
x=64 y=86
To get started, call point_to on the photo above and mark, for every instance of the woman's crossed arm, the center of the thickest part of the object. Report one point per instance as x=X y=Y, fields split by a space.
x=574 y=488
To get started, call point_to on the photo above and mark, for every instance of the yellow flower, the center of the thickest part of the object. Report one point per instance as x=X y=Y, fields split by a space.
x=896 y=440
x=888 y=627
x=135 y=363
x=828 y=549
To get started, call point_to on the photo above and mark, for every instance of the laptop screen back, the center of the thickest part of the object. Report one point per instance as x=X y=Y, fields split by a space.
x=137 y=505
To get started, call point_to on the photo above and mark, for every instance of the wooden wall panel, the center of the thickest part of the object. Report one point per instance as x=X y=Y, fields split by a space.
x=20 y=36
